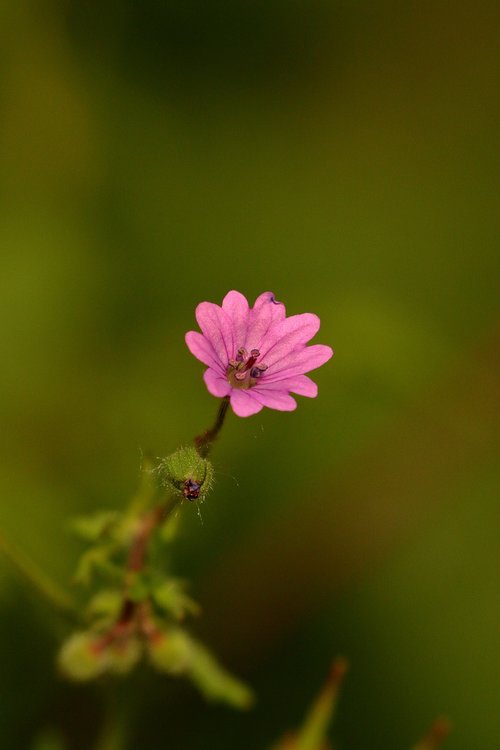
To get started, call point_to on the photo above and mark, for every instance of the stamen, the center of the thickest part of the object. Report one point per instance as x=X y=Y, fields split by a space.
x=257 y=370
x=243 y=371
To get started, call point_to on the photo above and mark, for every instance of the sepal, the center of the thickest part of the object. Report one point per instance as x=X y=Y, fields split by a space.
x=187 y=473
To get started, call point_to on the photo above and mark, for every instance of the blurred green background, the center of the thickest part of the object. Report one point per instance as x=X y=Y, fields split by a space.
x=344 y=155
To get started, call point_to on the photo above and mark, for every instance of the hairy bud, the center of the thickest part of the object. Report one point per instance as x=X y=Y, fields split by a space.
x=187 y=472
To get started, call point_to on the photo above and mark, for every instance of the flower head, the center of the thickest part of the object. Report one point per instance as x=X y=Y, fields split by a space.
x=256 y=356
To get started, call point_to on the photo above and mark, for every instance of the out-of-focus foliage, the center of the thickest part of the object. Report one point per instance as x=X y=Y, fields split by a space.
x=343 y=155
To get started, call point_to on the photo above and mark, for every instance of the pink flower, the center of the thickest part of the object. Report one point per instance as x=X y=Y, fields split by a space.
x=256 y=356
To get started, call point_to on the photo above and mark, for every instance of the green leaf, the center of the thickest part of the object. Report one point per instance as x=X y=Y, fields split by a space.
x=215 y=682
x=97 y=558
x=86 y=655
x=96 y=526
x=106 y=604
x=313 y=733
x=139 y=588
x=170 y=596
x=176 y=653
x=79 y=660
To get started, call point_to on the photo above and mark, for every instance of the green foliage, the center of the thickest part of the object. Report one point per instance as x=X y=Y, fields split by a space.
x=170 y=596
x=95 y=526
x=138 y=608
x=313 y=733
x=173 y=651
x=85 y=656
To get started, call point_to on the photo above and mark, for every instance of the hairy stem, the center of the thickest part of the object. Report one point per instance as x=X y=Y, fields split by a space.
x=203 y=442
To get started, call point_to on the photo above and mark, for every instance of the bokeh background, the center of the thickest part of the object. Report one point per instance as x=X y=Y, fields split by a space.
x=154 y=154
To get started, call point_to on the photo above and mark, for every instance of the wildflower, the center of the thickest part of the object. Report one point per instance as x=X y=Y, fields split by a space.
x=256 y=356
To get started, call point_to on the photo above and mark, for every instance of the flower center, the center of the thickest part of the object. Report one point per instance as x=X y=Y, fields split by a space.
x=244 y=371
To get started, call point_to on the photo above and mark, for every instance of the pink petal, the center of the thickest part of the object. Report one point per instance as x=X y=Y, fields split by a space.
x=243 y=404
x=299 y=384
x=236 y=307
x=216 y=326
x=299 y=362
x=278 y=399
x=287 y=334
x=217 y=384
x=203 y=350
x=268 y=298
x=265 y=312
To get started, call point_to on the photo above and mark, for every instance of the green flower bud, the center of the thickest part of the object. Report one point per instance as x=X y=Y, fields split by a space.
x=187 y=473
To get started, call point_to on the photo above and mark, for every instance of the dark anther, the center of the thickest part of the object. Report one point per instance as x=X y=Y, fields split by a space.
x=191 y=489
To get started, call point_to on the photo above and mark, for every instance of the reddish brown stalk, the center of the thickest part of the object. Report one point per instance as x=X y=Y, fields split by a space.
x=148 y=524
x=203 y=442
x=135 y=563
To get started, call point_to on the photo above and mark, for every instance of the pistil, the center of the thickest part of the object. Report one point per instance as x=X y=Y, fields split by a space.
x=243 y=371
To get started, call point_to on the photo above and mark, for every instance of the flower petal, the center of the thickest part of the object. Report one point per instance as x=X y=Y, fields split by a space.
x=278 y=399
x=299 y=384
x=287 y=334
x=268 y=298
x=203 y=350
x=244 y=404
x=265 y=312
x=217 y=384
x=216 y=326
x=236 y=307
x=299 y=362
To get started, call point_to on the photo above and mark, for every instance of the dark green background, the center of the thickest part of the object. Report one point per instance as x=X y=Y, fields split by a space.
x=343 y=155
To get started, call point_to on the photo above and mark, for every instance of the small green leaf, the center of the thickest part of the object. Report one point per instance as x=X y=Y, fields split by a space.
x=78 y=658
x=139 y=589
x=96 y=526
x=170 y=596
x=96 y=558
x=87 y=655
x=177 y=653
x=105 y=603
x=312 y=735
x=215 y=682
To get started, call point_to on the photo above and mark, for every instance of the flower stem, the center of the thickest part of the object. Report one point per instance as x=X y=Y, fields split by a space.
x=138 y=551
x=41 y=582
x=203 y=442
